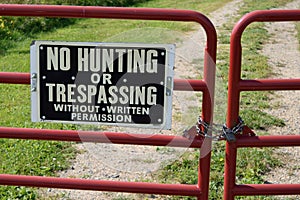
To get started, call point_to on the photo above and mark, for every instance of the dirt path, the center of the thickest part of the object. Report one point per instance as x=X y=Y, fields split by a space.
x=284 y=57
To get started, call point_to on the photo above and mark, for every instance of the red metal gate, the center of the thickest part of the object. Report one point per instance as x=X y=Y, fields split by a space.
x=206 y=85
x=237 y=85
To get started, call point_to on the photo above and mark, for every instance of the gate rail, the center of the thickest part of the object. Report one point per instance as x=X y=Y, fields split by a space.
x=206 y=85
x=237 y=85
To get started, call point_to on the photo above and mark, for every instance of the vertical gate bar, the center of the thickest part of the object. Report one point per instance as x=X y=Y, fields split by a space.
x=236 y=84
x=233 y=104
x=233 y=83
x=146 y=14
x=230 y=170
x=204 y=175
x=207 y=116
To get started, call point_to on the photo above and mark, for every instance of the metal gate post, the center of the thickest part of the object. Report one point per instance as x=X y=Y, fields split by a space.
x=206 y=85
x=237 y=85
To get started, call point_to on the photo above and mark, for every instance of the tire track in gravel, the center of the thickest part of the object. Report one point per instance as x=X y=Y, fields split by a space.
x=131 y=163
x=284 y=58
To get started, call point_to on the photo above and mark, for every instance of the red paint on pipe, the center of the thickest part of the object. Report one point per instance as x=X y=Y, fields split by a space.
x=189 y=85
x=100 y=185
x=230 y=170
x=99 y=137
x=266 y=189
x=14 y=77
x=270 y=84
x=268 y=141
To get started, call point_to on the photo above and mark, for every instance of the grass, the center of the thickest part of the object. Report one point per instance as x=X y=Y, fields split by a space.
x=27 y=157
x=47 y=157
x=204 y=6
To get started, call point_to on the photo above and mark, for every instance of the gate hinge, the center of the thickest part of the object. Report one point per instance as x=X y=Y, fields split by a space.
x=33 y=82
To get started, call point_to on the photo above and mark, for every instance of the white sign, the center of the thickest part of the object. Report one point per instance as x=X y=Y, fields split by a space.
x=102 y=83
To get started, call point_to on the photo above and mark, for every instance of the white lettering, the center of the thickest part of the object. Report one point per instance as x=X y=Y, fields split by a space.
x=60 y=93
x=107 y=60
x=120 y=59
x=50 y=93
x=95 y=78
x=81 y=90
x=52 y=58
x=151 y=66
x=83 y=59
x=64 y=59
x=71 y=92
x=139 y=61
x=114 y=98
x=106 y=79
x=151 y=97
x=102 y=95
x=92 y=91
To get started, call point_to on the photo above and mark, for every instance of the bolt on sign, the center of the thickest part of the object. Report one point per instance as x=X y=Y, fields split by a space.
x=102 y=83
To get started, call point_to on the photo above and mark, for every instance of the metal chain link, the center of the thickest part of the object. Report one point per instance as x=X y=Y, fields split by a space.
x=204 y=130
x=229 y=134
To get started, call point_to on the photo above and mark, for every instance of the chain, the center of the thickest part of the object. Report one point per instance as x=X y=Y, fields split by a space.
x=204 y=130
x=229 y=134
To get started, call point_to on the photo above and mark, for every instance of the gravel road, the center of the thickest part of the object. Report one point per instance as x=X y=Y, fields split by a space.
x=284 y=57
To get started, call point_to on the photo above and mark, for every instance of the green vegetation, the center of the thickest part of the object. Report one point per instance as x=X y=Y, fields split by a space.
x=28 y=157
x=47 y=157
x=204 y=6
x=252 y=164
x=15 y=29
